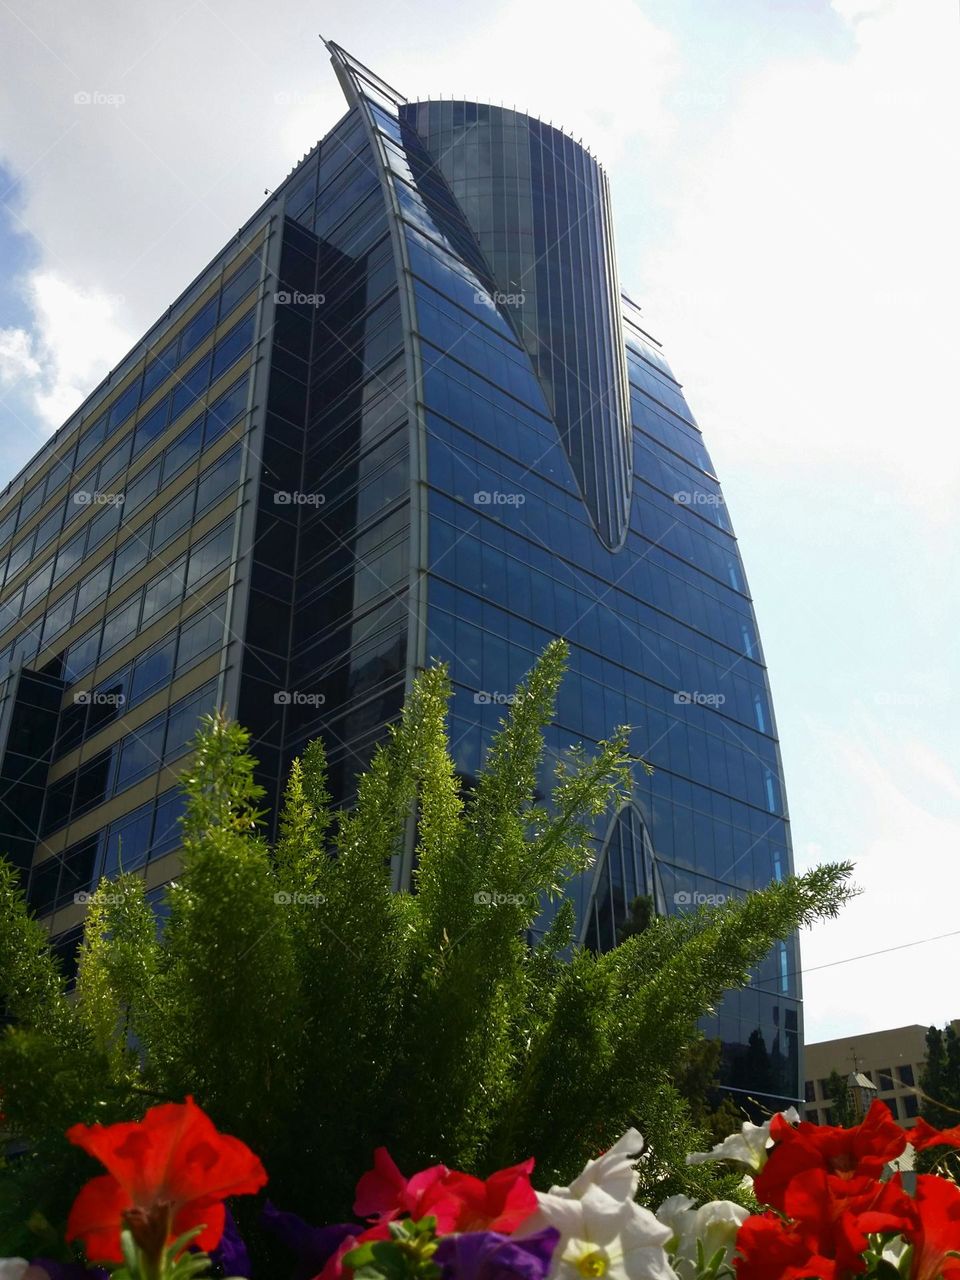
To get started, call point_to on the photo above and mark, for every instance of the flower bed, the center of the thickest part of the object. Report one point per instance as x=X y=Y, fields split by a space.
x=830 y=1206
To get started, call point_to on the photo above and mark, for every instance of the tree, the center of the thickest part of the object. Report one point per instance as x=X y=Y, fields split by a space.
x=316 y=1014
x=940 y=1078
x=642 y=915
x=940 y=1094
x=696 y=1078
x=842 y=1109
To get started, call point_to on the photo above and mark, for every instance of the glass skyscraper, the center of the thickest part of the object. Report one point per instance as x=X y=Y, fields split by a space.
x=407 y=414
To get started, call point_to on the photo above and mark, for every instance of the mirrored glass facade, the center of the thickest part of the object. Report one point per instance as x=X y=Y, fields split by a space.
x=408 y=415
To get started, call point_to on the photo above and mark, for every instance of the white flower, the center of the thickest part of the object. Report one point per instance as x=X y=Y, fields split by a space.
x=602 y=1238
x=714 y=1225
x=13 y=1268
x=613 y=1172
x=893 y=1251
x=748 y=1147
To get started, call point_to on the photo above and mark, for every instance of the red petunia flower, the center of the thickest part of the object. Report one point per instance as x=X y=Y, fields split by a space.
x=458 y=1201
x=168 y=1173
x=935 y=1233
x=767 y=1246
x=500 y=1203
x=834 y=1216
x=923 y=1135
x=383 y=1193
x=333 y=1268
x=843 y=1153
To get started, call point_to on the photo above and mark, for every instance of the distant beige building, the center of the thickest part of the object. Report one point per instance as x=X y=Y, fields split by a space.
x=891 y=1061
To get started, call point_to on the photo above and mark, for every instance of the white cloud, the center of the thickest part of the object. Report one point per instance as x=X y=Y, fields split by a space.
x=16 y=357
x=139 y=156
x=609 y=79
x=77 y=337
x=813 y=274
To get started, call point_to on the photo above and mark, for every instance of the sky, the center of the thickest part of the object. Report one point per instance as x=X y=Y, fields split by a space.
x=783 y=178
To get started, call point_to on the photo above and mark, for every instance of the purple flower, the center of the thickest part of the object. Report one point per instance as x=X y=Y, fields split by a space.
x=487 y=1255
x=231 y=1253
x=312 y=1245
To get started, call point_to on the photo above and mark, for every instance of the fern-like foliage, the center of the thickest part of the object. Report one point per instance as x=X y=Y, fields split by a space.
x=315 y=1012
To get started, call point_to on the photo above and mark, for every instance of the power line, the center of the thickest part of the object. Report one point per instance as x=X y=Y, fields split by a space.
x=867 y=955
x=902 y=946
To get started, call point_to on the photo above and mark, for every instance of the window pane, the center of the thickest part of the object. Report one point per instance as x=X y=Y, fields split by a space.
x=120 y=626
x=158 y=368
x=190 y=388
x=173 y=521
x=166 y=826
x=141 y=490
x=182 y=451
x=225 y=411
x=128 y=841
x=200 y=637
x=218 y=480
x=91 y=439
x=163 y=592
x=239 y=285
x=198 y=328
x=151 y=671
x=140 y=753
x=210 y=555
x=153 y=425
x=92 y=589
x=232 y=346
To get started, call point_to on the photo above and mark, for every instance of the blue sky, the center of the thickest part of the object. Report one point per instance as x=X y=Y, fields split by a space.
x=786 y=214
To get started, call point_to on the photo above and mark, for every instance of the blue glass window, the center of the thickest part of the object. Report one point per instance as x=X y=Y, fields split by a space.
x=231 y=347
x=158 y=368
x=124 y=406
x=210 y=554
x=141 y=753
x=152 y=670
x=163 y=592
x=92 y=438
x=190 y=388
x=120 y=626
x=225 y=411
x=128 y=842
x=198 y=328
x=92 y=589
x=167 y=825
x=141 y=490
x=184 y=449
x=153 y=425
x=238 y=286
x=172 y=522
